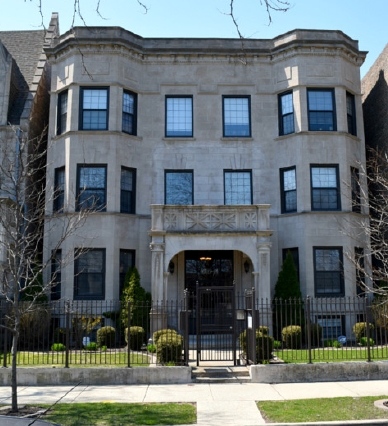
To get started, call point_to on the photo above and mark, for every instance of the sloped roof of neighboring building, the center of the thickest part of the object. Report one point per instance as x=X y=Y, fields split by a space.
x=26 y=48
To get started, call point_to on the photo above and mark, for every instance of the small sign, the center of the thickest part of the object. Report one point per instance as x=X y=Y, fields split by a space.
x=85 y=341
x=249 y=318
x=342 y=340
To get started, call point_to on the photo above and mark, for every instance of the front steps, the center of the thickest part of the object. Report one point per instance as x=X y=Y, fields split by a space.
x=227 y=374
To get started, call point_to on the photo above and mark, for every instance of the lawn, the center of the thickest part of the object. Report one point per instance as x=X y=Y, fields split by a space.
x=78 y=359
x=332 y=354
x=322 y=409
x=118 y=414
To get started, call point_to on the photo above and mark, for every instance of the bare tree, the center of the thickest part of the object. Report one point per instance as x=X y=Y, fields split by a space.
x=271 y=6
x=24 y=197
x=369 y=189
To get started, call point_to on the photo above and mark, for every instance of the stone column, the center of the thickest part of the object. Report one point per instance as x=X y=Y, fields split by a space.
x=158 y=315
x=263 y=292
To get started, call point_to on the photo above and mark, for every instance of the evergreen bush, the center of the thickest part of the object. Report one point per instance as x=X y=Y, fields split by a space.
x=264 y=344
x=292 y=336
x=106 y=336
x=169 y=349
x=137 y=337
x=157 y=334
x=359 y=330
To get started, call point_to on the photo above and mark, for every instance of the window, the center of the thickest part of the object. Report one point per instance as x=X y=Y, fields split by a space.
x=328 y=271
x=89 y=275
x=288 y=189
x=325 y=194
x=91 y=187
x=360 y=271
x=129 y=113
x=236 y=116
x=127 y=260
x=56 y=275
x=94 y=108
x=179 y=187
x=286 y=114
x=295 y=257
x=351 y=114
x=179 y=116
x=59 y=189
x=237 y=187
x=332 y=326
x=62 y=113
x=128 y=193
x=321 y=111
x=356 y=190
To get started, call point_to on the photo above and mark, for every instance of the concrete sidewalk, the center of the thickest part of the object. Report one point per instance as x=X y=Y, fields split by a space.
x=217 y=404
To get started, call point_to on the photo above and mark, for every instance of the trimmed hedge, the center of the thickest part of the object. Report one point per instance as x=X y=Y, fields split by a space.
x=359 y=330
x=264 y=344
x=169 y=348
x=106 y=336
x=157 y=334
x=292 y=336
x=137 y=337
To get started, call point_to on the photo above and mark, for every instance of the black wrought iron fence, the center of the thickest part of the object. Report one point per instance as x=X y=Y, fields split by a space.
x=108 y=333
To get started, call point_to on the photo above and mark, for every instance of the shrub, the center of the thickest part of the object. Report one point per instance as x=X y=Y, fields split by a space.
x=106 y=336
x=58 y=347
x=364 y=341
x=277 y=344
x=332 y=343
x=292 y=336
x=60 y=335
x=316 y=334
x=169 y=349
x=264 y=344
x=157 y=334
x=359 y=330
x=137 y=337
x=92 y=346
x=151 y=348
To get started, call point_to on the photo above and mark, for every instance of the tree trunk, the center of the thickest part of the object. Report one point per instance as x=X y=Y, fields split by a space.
x=14 y=373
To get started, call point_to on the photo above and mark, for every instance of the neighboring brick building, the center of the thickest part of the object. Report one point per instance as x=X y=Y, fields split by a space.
x=374 y=89
x=24 y=102
x=207 y=159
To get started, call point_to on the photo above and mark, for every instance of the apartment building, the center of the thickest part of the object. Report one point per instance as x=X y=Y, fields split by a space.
x=206 y=160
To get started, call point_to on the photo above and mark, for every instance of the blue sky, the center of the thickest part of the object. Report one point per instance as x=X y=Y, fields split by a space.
x=365 y=21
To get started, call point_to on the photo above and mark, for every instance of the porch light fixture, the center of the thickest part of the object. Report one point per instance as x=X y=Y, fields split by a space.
x=205 y=258
x=246 y=266
x=171 y=267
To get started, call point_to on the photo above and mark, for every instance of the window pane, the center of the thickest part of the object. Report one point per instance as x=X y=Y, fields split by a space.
x=328 y=272
x=320 y=100
x=129 y=113
x=62 y=112
x=127 y=260
x=290 y=201
x=91 y=187
x=95 y=99
x=289 y=180
x=179 y=120
x=321 y=110
x=95 y=120
x=90 y=275
x=238 y=188
x=59 y=194
x=236 y=117
x=179 y=188
x=324 y=177
x=127 y=191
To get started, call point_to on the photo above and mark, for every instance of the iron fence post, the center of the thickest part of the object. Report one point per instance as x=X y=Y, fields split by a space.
x=308 y=328
x=129 y=334
x=367 y=309
x=186 y=327
x=67 y=339
x=5 y=338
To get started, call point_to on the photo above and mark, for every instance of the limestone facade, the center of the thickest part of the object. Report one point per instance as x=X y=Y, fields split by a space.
x=239 y=149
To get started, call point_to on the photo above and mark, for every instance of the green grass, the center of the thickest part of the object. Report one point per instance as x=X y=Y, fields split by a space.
x=115 y=414
x=322 y=409
x=332 y=354
x=78 y=359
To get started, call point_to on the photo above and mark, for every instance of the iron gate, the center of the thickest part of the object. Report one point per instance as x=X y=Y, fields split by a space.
x=215 y=324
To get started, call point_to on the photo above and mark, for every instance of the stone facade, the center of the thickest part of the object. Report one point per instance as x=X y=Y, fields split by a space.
x=270 y=154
